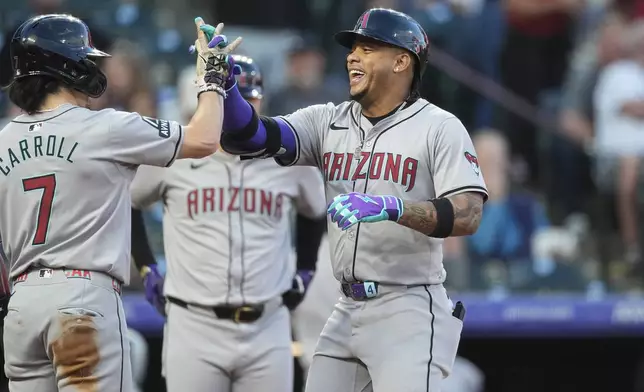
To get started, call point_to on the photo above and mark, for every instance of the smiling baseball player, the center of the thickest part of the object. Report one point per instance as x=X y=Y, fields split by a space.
x=227 y=235
x=401 y=174
x=65 y=173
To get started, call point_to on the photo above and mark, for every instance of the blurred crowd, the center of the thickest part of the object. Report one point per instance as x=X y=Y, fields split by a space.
x=551 y=90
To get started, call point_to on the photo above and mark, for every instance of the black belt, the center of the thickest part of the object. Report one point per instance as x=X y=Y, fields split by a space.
x=239 y=314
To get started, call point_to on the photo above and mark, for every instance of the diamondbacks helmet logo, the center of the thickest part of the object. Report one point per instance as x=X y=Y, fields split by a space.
x=474 y=161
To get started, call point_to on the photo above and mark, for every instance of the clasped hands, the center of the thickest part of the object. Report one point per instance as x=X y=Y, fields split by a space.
x=215 y=67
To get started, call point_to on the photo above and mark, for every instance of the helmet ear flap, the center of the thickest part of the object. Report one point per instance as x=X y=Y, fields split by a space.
x=94 y=81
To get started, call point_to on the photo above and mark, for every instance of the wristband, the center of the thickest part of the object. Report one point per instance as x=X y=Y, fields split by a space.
x=444 y=218
x=212 y=87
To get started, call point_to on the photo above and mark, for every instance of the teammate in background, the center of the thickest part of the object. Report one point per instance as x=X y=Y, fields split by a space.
x=65 y=173
x=227 y=235
x=401 y=174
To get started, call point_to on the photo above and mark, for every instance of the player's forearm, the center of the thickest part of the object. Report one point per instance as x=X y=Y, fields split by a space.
x=202 y=134
x=141 y=250
x=244 y=132
x=308 y=237
x=424 y=217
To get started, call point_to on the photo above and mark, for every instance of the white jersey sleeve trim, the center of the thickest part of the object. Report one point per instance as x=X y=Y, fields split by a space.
x=282 y=162
x=466 y=188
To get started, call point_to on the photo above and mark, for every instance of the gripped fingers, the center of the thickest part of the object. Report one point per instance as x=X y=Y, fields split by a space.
x=201 y=36
x=232 y=46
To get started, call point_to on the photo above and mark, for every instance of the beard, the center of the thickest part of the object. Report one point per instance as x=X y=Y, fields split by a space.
x=358 y=97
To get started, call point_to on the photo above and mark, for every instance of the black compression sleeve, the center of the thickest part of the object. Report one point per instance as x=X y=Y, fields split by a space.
x=308 y=237
x=141 y=250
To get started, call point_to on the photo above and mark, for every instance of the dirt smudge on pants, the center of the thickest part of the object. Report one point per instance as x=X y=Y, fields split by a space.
x=75 y=353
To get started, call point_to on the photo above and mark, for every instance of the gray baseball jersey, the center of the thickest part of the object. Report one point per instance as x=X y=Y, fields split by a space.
x=227 y=234
x=64 y=185
x=419 y=153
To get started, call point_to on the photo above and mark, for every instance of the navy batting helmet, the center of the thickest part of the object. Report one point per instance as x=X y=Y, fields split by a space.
x=59 y=46
x=249 y=82
x=391 y=27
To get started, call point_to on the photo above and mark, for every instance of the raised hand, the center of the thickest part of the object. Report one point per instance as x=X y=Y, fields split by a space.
x=214 y=64
x=349 y=209
x=215 y=38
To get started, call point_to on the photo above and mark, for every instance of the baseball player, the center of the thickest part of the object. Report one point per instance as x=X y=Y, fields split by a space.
x=227 y=237
x=321 y=296
x=65 y=173
x=401 y=174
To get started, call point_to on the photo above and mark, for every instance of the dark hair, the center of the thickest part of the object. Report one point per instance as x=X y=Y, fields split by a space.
x=29 y=93
x=414 y=90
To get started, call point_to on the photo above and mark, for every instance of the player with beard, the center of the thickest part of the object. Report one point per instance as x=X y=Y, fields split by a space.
x=401 y=174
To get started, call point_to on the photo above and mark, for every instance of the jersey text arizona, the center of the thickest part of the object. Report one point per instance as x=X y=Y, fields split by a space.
x=385 y=166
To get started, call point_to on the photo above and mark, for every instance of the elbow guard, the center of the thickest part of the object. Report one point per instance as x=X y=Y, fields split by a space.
x=239 y=142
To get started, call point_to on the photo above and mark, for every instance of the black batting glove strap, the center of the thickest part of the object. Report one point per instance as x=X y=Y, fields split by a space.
x=217 y=71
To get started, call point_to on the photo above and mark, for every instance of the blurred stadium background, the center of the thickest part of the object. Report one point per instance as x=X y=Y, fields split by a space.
x=552 y=92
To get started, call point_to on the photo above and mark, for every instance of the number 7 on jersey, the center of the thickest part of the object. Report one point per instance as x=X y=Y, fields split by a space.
x=47 y=184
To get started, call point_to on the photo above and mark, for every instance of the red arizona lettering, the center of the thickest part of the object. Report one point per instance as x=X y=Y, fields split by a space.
x=249 y=200
x=357 y=175
x=193 y=200
x=234 y=192
x=326 y=158
x=266 y=202
x=392 y=168
x=410 y=166
x=278 y=205
x=336 y=167
x=382 y=166
x=208 y=196
x=347 y=167
x=375 y=170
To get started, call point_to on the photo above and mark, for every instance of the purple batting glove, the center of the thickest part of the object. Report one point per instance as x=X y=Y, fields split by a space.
x=293 y=297
x=303 y=279
x=231 y=80
x=349 y=209
x=153 y=283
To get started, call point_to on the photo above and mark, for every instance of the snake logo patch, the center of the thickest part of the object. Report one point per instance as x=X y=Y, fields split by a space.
x=474 y=162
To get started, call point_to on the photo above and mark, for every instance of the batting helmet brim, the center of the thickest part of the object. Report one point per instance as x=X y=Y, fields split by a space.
x=347 y=38
x=93 y=52
x=74 y=53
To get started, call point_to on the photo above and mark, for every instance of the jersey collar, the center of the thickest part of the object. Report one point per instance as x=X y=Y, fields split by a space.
x=44 y=116
x=402 y=113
